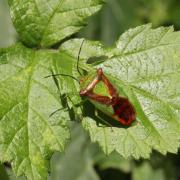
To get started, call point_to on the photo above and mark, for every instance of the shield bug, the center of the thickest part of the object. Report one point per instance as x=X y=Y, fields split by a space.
x=102 y=93
x=98 y=89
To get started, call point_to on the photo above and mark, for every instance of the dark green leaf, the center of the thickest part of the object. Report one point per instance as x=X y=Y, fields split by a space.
x=3 y=173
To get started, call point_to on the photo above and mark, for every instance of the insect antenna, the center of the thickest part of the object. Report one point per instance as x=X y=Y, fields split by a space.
x=57 y=111
x=60 y=74
x=67 y=75
x=79 y=57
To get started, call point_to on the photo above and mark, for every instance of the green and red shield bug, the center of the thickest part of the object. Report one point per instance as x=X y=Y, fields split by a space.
x=98 y=89
x=101 y=92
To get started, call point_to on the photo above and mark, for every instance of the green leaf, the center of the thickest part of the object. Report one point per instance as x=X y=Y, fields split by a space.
x=28 y=136
x=115 y=161
x=146 y=68
x=3 y=173
x=7 y=32
x=77 y=163
x=88 y=50
x=44 y=23
x=146 y=172
x=157 y=168
x=12 y=176
x=116 y=16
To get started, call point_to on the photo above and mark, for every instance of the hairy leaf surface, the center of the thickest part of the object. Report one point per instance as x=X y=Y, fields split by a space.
x=44 y=23
x=28 y=135
x=145 y=66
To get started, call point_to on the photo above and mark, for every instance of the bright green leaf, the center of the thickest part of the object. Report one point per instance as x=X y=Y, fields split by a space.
x=146 y=67
x=88 y=50
x=28 y=136
x=44 y=23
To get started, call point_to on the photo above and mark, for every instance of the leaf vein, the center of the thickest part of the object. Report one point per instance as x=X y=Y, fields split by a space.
x=50 y=18
x=44 y=87
x=48 y=125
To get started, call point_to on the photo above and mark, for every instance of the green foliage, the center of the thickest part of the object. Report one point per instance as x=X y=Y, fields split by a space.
x=144 y=66
x=42 y=23
x=114 y=160
x=117 y=16
x=7 y=32
x=146 y=172
x=160 y=168
x=77 y=163
x=3 y=173
x=28 y=136
x=80 y=157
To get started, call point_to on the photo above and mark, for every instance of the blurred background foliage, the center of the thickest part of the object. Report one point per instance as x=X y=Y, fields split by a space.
x=119 y=15
x=7 y=32
x=84 y=160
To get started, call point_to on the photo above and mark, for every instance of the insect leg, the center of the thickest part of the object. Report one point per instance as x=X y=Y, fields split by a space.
x=66 y=108
x=57 y=111
x=102 y=120
x=98 y=98
x=63 y=108
x=90 y=87
x=78 y=104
